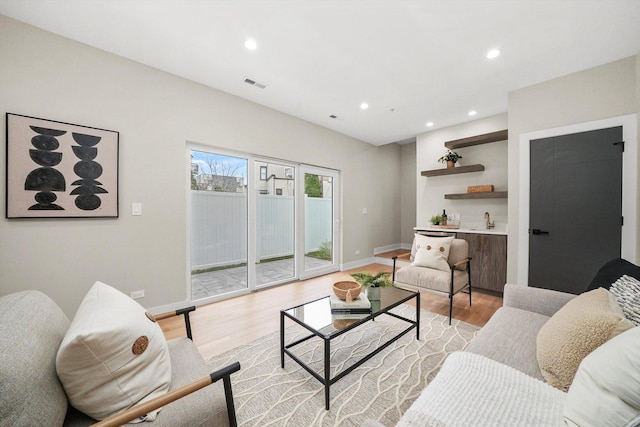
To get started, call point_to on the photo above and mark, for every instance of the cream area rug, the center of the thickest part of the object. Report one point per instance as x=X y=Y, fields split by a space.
x=383 y=388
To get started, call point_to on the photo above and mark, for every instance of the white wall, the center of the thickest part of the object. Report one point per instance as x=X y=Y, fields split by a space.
x=408 y=193
x=431 y=190
x=156 y=113
x=590 y=95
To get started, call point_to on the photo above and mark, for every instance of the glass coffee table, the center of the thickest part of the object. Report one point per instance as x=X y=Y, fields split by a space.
x=316 y=317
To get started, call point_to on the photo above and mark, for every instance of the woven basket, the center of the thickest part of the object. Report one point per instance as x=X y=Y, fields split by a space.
x=347 y=291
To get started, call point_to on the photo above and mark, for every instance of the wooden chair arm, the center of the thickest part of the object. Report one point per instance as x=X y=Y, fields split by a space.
x=183 y=311
x=160 y=401
x=461 y=262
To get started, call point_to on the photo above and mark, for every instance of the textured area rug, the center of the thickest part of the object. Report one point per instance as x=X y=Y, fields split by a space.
x=383 y=388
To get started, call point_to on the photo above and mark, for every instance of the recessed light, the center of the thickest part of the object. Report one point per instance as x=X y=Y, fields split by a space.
x=429 y=124
x=251 y=44
x=473 y=112
x=364 y=105
x=493 y=53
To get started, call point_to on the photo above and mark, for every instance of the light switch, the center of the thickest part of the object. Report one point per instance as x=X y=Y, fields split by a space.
x=364 y=211
x=136 y=208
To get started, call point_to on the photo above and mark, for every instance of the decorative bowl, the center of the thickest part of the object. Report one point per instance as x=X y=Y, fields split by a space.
x=347 y=291
x=343 y=323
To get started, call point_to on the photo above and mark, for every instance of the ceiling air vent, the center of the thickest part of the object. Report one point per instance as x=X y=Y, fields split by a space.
x=254 y=83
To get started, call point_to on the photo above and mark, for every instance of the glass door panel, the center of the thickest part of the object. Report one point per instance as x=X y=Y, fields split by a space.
x=275 y=223
x=320 y=225
x=218 y=225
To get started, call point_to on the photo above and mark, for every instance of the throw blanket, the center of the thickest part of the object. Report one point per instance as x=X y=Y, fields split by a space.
x=472 y=390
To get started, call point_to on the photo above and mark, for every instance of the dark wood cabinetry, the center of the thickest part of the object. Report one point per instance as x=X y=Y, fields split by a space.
x=489 y=260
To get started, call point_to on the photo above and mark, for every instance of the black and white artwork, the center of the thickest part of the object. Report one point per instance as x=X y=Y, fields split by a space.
x=62 y=170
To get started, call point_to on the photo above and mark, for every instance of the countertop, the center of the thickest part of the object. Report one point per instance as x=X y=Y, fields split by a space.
x=499 y=229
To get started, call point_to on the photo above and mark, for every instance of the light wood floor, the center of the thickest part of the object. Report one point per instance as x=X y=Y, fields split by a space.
x=224 y=325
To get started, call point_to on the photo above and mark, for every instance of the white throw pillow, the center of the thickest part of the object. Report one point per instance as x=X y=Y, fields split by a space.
x=606 y=389
x=113 y=355
x=432 y=252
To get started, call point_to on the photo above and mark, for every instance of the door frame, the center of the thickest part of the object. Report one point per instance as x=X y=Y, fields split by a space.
x=300 y=169
x=629 y=184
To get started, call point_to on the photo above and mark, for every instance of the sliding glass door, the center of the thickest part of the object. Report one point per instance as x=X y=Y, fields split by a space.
x=258 y=222
x=219 y=225
x=320 y=213
x=274 y=185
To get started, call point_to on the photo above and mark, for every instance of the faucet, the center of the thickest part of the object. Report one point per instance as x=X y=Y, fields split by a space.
x=490 y=224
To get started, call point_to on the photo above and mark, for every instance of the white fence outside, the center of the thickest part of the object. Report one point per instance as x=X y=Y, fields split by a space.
x=219 y=227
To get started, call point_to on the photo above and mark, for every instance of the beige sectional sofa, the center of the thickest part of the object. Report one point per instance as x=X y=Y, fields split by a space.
x=497 y=380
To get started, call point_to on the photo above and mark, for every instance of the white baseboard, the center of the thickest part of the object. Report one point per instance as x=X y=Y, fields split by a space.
x=388 y=248
x=356 y=264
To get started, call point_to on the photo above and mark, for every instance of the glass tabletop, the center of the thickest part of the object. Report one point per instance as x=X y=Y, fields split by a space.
x=317 y=314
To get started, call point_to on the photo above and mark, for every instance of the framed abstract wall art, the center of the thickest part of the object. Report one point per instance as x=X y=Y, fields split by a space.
x=60 y=170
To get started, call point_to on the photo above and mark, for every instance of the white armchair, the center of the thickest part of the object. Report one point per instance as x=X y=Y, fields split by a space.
x=453 y=272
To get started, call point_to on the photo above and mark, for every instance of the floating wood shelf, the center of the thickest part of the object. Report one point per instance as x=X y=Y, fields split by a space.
x=451 y=171
x=488 y=195
x=486 y=138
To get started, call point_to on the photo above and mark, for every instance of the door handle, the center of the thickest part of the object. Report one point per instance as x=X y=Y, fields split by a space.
x=537 y=231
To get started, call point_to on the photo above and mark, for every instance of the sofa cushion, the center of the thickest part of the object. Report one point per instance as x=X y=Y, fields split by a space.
x=578 y=328
x=113 y=356
x=32 y=328
x=510 y=338
x=432 y=252
x=606 y=389
x=627 y=293
x=436 y=280
x=612 y=271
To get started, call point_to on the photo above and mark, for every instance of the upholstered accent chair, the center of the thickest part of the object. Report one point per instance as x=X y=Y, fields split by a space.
x=452 y=272
x=32 y=329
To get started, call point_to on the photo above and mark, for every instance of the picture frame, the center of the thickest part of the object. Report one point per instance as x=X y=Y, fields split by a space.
x=60 y=170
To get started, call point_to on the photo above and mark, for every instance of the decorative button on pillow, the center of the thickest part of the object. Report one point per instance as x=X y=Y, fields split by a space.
x=432 y=252
x=113 y=355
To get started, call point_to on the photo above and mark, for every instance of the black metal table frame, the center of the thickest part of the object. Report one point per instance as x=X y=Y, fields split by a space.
x=327 y=381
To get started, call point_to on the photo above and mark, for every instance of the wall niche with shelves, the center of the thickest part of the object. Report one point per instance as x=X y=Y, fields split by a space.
x=501 y=135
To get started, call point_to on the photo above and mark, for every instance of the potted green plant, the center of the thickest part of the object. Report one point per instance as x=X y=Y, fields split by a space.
x=436 y=220
x=451 y=158
x=373 y=282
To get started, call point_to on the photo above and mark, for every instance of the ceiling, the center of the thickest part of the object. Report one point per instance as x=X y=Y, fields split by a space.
x=413 y=62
